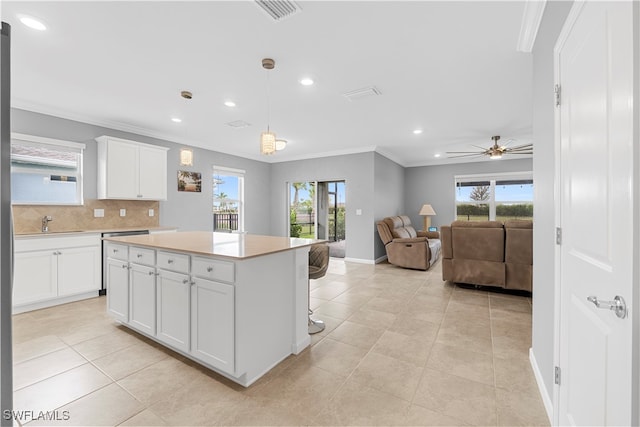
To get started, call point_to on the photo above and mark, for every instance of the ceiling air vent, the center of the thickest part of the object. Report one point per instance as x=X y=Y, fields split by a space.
x=365 y=92
x=279 y=9
x=238 y=124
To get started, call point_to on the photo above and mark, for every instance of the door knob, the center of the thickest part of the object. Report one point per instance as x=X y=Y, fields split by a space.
x=618 y=305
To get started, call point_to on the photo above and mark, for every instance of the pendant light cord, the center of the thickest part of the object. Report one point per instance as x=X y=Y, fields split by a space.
x=268 y=102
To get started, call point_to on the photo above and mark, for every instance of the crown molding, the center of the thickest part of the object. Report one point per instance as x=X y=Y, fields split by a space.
x=531 y=19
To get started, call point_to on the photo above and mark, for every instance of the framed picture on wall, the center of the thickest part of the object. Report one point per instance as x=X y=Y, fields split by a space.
x=190 y=181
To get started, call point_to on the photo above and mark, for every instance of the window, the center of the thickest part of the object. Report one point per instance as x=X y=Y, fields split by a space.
x=45 y=171
x=228 y=199
x=495 y=197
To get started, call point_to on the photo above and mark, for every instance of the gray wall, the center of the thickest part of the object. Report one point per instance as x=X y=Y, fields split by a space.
x=388 y=195
x=357 y=172
x=544 y=189
x=188 y=211
x=435 y=185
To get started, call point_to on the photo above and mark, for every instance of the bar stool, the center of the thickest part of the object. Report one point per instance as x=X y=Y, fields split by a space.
x=318 y=265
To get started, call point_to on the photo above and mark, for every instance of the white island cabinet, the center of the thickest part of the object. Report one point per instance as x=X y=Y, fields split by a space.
x=55 y=268
x=234 y=303
x=130 y=170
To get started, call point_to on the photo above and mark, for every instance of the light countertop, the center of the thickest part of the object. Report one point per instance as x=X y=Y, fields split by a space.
x=230 y=245
x=80 y=232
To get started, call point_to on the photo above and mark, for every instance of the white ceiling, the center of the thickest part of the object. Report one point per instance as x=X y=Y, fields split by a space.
x=449 y=68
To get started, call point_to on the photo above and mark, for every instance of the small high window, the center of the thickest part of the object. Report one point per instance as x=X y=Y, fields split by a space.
x=45 y=171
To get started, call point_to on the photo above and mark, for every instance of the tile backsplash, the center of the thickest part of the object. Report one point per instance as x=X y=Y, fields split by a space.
x=28 y=218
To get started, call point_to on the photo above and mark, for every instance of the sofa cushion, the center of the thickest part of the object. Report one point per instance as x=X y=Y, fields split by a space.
x=477 y=224
x=476 y=243
x=478 y=272
x=393 y=222
x=518 y=223
x=519 y=241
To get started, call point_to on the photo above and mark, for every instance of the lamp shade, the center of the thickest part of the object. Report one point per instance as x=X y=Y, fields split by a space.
x=186 y=157
x=427 y=210
x=267 y=143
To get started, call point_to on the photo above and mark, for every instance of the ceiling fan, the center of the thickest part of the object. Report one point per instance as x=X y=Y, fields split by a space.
x=495 y=151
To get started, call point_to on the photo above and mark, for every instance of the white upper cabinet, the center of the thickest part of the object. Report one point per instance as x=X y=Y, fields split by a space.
x=131 y=170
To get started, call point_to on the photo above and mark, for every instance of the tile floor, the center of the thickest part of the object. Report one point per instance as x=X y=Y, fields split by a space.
x=401 y=347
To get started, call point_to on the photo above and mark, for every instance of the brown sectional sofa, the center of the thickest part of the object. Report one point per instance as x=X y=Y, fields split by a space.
x=488 y=253
x=407 y=247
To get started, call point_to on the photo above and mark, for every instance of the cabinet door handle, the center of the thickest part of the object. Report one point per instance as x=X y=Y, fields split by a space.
x=125 y=266
x=169 y=261
x=151 y=273
x=185 y=281
x=115 y=251
x=209 y=269
x=139 y=255
x=158 y=274
x=193 y=282
x=139 y=195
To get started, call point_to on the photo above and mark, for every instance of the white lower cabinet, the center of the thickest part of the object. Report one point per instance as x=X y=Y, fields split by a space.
x=52 y=270
x=77 y=268
x=212 y=323
x=142 y=297
x=173 y=309
x=166 y=300
x=118 y=285
x=34 y=277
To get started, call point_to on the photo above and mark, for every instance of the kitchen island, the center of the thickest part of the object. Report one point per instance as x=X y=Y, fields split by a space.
x=235 y=303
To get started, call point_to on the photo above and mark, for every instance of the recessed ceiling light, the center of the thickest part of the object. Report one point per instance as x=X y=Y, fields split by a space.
x=230 y=103
x=307 y=81
x=32 y=22
x=176 y=119
x=437 y=155
x=417 y=131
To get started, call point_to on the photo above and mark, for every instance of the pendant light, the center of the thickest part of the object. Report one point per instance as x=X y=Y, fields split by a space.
x=268 y=138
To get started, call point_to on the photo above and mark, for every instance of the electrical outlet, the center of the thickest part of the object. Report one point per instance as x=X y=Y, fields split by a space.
x=123 y=212
x=152 y=212
x=98 y=213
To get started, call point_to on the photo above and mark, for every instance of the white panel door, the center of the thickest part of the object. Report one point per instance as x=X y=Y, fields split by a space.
x=142 y=298
x=78 y=270
x=595 y=72
x=153 y=173
x=118 y=289
x=174 y=294
x=212 y=323
x=34 y=276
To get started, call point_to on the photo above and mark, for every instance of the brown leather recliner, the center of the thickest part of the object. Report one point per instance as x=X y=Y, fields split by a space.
x=488 y=253
x=407 y=247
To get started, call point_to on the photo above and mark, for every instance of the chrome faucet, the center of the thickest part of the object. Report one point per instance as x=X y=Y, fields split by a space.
x=45 y=223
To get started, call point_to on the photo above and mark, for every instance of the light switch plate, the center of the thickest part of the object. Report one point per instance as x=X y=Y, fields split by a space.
x=152 y=212
x=98 y=213
x=123 y=212
x=358 y=211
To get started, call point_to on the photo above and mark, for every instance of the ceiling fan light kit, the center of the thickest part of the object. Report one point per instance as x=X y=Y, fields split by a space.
x=494 y=152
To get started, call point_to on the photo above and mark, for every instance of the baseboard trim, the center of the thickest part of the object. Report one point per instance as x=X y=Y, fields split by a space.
x=546 y=399
x=383 y=258
x=359 y=260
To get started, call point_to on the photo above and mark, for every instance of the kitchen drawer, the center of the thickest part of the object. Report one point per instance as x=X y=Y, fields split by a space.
x=213 y=269
x=117 y=251
x=174 y=262
x=144 y=256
